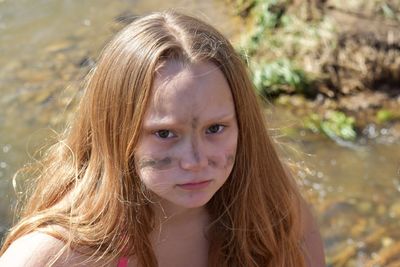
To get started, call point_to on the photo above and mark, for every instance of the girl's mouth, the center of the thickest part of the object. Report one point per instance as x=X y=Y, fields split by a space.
x=195 y=185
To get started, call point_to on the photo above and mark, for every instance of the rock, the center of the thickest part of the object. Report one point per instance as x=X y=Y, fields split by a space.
x=43 y=96
x=26 y=94
x=12 y=65
x=59 y=46
x=387 y=241
x=68 y=73
x=385 y=255
x=86 y=62
x=364 y=207
x=395 y=130
x=394 y=210
x=125 y=18
x=35 y=75
x=358 y=228
x=362 y=100
x=60 y=57
x=381 y=210
x=344 y=256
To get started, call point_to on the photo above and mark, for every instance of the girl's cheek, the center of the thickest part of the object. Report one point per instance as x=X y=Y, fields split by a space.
x=229 y=160
x=156 y=163
x=222 y=160
x=229 y=152
x=156 y=182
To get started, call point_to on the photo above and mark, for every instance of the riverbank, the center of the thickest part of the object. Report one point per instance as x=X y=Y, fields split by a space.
x=335 y=64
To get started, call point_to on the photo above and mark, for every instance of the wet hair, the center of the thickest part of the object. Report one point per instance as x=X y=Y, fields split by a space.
x=88 y=185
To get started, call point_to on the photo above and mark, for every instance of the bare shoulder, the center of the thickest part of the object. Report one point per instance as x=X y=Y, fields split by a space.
x=39 y=249
x=312 y=240
x=33 y=249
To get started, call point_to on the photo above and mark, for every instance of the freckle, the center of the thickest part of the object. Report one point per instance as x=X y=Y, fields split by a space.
x=212 y=163
x=230 y=159
x=194 y=123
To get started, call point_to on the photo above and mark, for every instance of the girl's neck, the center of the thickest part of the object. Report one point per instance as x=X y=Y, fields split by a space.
x=179 y=238
x=179 y=223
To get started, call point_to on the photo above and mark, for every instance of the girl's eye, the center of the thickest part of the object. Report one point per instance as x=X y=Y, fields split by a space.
x=164 y=134
x=216 y=128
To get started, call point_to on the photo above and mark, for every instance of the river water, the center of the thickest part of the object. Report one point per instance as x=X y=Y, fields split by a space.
x=47 y=47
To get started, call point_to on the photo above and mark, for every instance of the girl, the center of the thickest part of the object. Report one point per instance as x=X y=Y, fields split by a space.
x=168 y=163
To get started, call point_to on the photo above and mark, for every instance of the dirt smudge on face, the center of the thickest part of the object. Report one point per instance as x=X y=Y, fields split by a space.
x=154 y=163
x=230 y=159
x=195 y=146
x=212 y=163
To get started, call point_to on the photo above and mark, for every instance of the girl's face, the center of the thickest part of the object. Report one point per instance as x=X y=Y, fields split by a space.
x=188 y=142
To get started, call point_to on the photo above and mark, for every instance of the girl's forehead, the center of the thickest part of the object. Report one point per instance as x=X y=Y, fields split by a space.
x=198 y=88
x=176 y=70
x=179 y=78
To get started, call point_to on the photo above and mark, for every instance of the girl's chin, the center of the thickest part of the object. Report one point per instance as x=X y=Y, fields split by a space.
x=174 y=206
x=190 y=204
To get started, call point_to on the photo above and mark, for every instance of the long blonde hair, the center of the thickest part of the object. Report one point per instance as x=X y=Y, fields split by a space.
x=88 y=184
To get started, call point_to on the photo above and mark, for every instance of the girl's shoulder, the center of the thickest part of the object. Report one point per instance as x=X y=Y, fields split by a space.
x=39 y=249
x=33 y=249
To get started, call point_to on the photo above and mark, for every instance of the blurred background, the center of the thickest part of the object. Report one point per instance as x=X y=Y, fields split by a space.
x=329 y=71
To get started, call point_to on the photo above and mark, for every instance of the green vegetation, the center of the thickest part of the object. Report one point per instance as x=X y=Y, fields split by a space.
x=388 y=12
x=279 y=33
x=334 y=124
x=280 y=76
x=269 y=15
x=284 y=41
x=385 y=115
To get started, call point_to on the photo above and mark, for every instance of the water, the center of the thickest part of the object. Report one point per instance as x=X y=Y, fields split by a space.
x=48 y=46
x=354 y=190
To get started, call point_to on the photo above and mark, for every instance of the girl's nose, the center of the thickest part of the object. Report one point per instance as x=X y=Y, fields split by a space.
x=194 y=157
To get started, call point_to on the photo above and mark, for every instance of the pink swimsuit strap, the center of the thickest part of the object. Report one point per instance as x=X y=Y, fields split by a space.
x=123 y=262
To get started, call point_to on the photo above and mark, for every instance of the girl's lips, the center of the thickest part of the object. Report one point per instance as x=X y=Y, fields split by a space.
x=195 y=185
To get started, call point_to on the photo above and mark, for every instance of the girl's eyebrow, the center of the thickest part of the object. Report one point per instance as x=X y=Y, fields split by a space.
x=166 y=120
x=160 y=122
x=227 y=116
x=221 y=118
